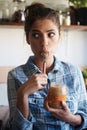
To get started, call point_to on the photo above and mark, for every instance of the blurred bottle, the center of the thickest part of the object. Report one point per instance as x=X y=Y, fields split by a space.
x=66 y=18
x=17 y=10
x=60 y=17
x=4 y=11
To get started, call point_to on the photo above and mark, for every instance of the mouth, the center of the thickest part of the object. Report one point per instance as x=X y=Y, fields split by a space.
x=44 y=55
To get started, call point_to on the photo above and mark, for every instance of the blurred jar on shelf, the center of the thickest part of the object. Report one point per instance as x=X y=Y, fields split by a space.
x=67 y=19
x=13 y=9
x=60 y=17
x=17 y=9
x=64 y=17
x=4 y=11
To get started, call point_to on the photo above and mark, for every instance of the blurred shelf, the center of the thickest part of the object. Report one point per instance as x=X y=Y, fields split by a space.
x=74 y=27
x=11 y=23
x=64 y=27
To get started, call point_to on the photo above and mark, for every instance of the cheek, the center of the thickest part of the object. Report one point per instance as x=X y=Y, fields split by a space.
x=55 y=44
x=54 y=47
x=34 y=47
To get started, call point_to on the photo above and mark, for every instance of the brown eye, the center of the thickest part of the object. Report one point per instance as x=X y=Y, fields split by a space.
x=36 y=35
x=51 y=34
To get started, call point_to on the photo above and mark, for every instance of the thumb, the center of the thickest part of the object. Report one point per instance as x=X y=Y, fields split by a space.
x=64 y=106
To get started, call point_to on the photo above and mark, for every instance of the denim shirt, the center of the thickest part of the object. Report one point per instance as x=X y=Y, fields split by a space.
x=40 y=118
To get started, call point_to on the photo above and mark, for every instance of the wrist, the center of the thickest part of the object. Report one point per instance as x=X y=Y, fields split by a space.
x=75 y=120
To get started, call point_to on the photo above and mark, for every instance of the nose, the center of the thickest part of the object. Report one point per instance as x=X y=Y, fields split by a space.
x=44 y=40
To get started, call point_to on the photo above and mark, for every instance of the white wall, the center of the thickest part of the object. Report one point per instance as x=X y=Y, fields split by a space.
x=73 y=47
x=44 y=1
x=3 y=95
x=15 y=51
x=13 y=48
x=77 y=47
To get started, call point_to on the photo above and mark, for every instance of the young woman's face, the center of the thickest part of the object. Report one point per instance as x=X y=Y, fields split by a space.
x=44 y=37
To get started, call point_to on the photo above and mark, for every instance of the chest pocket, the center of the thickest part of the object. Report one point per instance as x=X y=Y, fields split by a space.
x=36 y=101
x=39 y=112
x=36 y=105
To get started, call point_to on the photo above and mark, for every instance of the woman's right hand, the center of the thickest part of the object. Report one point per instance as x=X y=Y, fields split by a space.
x=35 y=83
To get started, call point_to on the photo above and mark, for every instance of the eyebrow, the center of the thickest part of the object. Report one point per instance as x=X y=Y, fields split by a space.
x=35 y=30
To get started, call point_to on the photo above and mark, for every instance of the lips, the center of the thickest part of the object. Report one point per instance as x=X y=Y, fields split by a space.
x=44 y=51
x=44 y=54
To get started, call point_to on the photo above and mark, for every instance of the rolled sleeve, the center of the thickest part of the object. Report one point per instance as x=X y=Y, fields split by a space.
x=21 y=123
x=84 y=121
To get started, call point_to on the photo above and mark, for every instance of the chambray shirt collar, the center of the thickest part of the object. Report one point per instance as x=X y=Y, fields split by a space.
x=34 y=69
x=30 y=68
x=57 y=65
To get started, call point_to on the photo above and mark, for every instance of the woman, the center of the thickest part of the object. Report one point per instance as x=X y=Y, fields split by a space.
x=28 y=84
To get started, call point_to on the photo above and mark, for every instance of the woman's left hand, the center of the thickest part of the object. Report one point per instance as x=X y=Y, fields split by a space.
x=62 y=113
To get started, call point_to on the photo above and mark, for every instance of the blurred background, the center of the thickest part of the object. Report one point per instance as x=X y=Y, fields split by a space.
x=15 y=51
x=13 y=47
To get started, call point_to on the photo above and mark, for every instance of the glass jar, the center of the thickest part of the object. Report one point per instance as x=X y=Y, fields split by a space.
x=60 y=17
x=4 y=11
x=68 y=18
x=56 y=94
x=17 y=11
x=21 y=7
x=13 y=9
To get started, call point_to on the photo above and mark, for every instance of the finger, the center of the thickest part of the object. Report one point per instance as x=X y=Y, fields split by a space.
x=43 y=75
x=64 y=106
x=40 y=79
x=46 y=103
x=50 y=109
